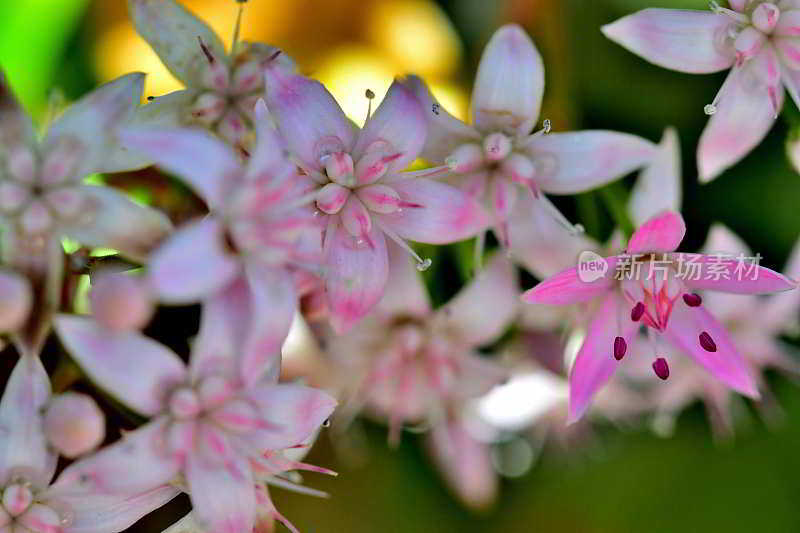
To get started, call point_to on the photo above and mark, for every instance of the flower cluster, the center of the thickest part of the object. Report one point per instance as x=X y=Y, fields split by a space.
x=311 y=218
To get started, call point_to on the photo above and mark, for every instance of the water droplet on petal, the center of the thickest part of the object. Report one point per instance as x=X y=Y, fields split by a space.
x=425 y=265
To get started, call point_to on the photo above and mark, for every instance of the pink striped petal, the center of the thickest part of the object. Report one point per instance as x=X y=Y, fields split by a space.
x=445 y=132
x=137 y=462
x=658 y=186
x=295 y=411
x=509 y=84
x=272 y=307
x=729 y=273
x=485 y=308
x=567 y=287
x=356 y=273
x=173 y=32
x=135 y=369
x=400 y=121
x=193 y=263
x=662 y=233
x=23 y=446
x=269 y=156
x=682 y=40
x=202 y=161
x=595 y=363
x=223 y=497
x=579 y=161
x=446 y=214
x=726 y=364
x=309 y=118
x=744 y=116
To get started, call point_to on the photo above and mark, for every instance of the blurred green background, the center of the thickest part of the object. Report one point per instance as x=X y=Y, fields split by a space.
x=621 y=481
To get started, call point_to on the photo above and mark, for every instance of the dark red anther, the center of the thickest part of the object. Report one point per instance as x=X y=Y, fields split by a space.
x=692 y=299
x=707 y=342
x=661 y=368
x=637 y=312
x=620 y=347
x=206 y=51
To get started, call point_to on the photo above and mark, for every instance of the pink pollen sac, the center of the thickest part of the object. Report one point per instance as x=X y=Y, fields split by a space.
x=707 y=342
x=620 y=347
x=637 y=311
x=692 y=299
x=661 y=368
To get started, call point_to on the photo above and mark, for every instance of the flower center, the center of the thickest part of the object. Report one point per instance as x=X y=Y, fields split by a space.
x=17 y=498
x=21 y=508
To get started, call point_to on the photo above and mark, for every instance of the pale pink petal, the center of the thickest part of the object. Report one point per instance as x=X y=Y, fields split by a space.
x=744 y=116
x=269 y=156
x=509 y=84
x=578 y=161
x=567 y=287
x=223 y=497
x=400 y=121
x=540 y=242
x=112 y=220
x=661 y=233
x=355 y=275
x=175 y=34
x=791 y=80
x=93 y=121
x=135 y=369
x=677 y=39
x=405 y=291
x=309 y=118
x=658 y=187
x=724 y=305
x=272 y=308
x=295 y=411
x=483 y=309
x=781 y=310
x=193 y=263
x=465 y=463
x=23 y=445
x=138 y=462
x=726 y=364
x=224 y=323
x=730 y=273
x=202 y=161
x=17 y=127
x=595 y=362
x=445 y=215
x=445 y=132
x=97 y=512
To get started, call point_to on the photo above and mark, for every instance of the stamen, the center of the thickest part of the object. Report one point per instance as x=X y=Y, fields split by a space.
x=572 y=229
x=738 y=17
x=773 y=98
x=620 y=347
x=209 y=56
x=370 y=95
x=294 y=487
x=713 y=107
x=480 y=244
x=707 y=342
x=692 y=299
x=661 y=368
x=238 y=24
x=637 y=312
x=422 y=264
x=546 y=127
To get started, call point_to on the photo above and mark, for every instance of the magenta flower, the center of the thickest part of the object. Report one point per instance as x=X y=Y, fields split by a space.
x=659 y=293
x=756 y=39
x=43 y=197
x=221 y=89
x=30 y=503
x=361 y=192
x=498 y=153
x=207 y=424
x=239 y=257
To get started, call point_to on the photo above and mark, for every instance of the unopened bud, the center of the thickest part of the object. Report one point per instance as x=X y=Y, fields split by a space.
x=74 y=424
x=465 y=158
x=120 y=301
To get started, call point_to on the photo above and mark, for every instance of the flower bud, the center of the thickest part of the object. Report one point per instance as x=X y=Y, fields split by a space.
x=17 y=498
x=73 y=424
x=496 y=147
x=36 y=219
x=120 y=301
x=21 y=164
x=15 y=301
x=465 y=158
x=765 y=17
x=13 y=196
x=208 y=108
